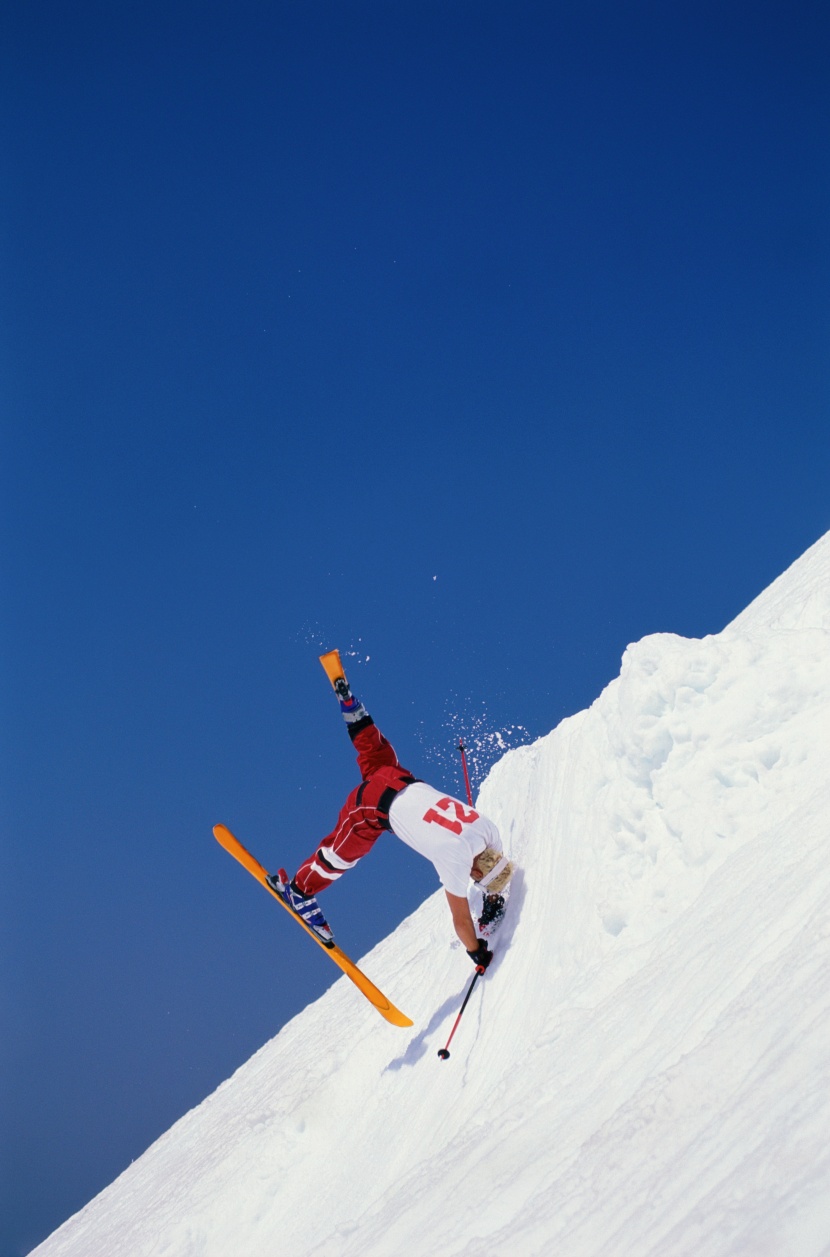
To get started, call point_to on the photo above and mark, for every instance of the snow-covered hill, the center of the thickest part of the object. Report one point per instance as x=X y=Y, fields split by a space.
x=644 y=1071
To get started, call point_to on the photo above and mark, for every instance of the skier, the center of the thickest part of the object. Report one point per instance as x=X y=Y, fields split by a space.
x=460 y=842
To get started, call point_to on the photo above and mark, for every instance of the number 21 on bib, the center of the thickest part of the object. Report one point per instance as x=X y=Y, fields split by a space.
x=454 y=823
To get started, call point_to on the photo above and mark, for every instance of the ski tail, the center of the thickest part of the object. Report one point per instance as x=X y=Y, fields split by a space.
x=333 y=667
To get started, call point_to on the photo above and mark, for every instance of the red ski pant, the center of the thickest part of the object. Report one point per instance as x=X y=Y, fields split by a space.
x=361 y=820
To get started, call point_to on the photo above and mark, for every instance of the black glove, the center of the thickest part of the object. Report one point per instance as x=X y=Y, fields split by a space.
x=482 y=955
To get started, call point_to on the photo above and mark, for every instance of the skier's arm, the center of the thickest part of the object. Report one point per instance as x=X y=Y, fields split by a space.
x=462 y=920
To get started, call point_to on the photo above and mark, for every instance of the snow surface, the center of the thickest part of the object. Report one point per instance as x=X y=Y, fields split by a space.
x=645 y=1069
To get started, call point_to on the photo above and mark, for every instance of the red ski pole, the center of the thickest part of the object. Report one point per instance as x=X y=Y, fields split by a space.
x=444 y=1052
x=463 y=751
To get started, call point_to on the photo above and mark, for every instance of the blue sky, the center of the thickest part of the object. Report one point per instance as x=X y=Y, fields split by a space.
x=475 y=339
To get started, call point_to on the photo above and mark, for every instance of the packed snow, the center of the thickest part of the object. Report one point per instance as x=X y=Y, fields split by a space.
x=645 y=1069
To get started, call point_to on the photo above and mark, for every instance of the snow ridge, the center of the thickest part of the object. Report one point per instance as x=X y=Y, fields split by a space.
x=646 y=1069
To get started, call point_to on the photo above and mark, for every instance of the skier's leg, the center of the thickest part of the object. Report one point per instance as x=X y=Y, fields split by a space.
x=355 y=833
x=373 y=750
x=360 y=823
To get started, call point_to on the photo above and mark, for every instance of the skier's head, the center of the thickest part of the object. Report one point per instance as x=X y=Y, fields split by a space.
x=492 y=871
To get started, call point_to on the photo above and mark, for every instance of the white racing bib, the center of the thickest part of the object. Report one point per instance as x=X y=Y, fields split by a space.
x=444 y=830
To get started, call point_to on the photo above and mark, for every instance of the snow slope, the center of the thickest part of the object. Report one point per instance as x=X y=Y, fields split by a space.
x=645 y=1068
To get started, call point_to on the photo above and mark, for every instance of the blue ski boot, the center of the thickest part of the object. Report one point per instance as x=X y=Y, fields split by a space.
x=351 y=708
x=304 y=906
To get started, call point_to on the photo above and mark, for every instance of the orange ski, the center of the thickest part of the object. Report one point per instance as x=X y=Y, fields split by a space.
x=386 y=1009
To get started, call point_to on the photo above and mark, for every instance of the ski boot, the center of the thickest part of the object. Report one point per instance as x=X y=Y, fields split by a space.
x=304 y=906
